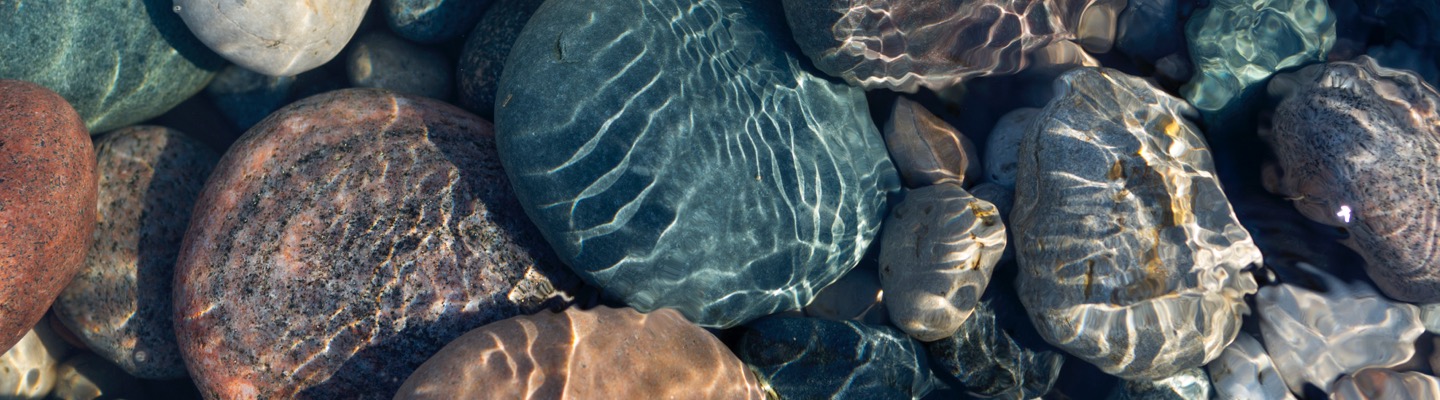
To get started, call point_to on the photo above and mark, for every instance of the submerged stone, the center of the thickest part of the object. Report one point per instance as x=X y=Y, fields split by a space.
x=1245 y=371
x=383 y=61
x=808 y=358
x=272 y=37
x=1188 y=384
x=1238 y=43
x=1002 y=148
x=856 y=297
x=988 y=362
x=724 y=180
x=432 y=21
x=483 y=58
x=926 y=150
x=1384 y=384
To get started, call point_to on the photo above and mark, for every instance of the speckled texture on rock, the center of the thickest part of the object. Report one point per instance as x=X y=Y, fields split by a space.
x=1359 y=144
x=383 y=61
x=1384 y=384
x=274 y=37
x=600 y=353
x=1120 y=224
x=432 y=21
x=47 y=202
x=343 y=241
x=1245 y=371
x=483 y=57
x=27 y=370
x=926 y=150
x=120 y=303
x=1188 y=384
x=809 y=358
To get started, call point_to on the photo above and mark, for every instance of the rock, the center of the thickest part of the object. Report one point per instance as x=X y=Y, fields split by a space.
x=1430 y=317
x=116 y=62
x=1314 y=337
x=1188 y=384
x=483 y=57
x=926 y=150
x=433 y=21
x=1435 y=355
x=343 y=241
x=274 y=37
x=47 y=202
x=1002 y=149
x=1151 y=30
x=1357 y=143
x=988 y=362
x=574 y=355
x=1119 y=217
x=27 y=370
x=120 y=303
x=728 y=203
x=1238 y=43
x=936 y=254
x=245 y=97
x=1004 y=200
x=807 y=358
x=88 y=377
x=1245 y=371
x=379 y=60
x=1384 y=384
x=1398 y=55
x=855 y=297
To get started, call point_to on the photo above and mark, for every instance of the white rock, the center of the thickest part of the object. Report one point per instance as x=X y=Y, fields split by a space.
x=1002 y=151
x=28 y=369
x=1245 y=371
x=1384 y=384
x=274 y=37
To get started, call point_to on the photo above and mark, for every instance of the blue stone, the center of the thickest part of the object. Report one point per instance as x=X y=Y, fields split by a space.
x=245 y=97
x=431 y=21
x=809 y=358
x=984 y=357
x=486 y=49
x=1238 y=43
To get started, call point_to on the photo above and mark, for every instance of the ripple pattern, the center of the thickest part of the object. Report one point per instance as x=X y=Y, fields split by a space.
x=1237 y=43
x=808 y=358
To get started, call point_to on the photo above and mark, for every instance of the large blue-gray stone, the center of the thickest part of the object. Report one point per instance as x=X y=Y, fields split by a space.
x=676 y=154
x=431 y=21
x=810 y=358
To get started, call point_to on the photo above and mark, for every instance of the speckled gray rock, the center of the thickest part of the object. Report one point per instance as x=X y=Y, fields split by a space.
x=1384 y=384
x=27 y=370
x=274 y=37
x=1245 y=371
x=431 y=21
x=120 y=304
x=483 y=58
x=1121 y=224
x=1002 y=149
x=89 y=377
x=381 y=60
x=937 y=251
x=926 y=150
x=1359 y=144
x=1188 y=384
x=344 y=240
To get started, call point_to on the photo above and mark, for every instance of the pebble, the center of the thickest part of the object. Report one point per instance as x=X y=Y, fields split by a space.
x=1245 y=371
x=985 y=358
x=274 y=37
x=483 y=58
x=854 y=297
x=380 y=60
x=598 y=353
x=347 y=238
x=1004 y=200
x=1430 y=317
x=1237 y=43
x=89 y=377
x=245 y=97
x=27 y=370
x=808 y=358
x=1002 y=149
x=1188 y=384
x=926 y=150
x=433 y=21
x=1384 y=384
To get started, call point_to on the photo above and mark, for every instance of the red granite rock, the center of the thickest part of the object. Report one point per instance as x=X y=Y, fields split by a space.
x=47 y=202
x=343 y=241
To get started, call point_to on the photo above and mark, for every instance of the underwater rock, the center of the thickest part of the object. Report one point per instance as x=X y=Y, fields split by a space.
x=383 y=61
x=1237 y=43
x=1358 y=144
x=724 y=180
x=987 y=362
x=1119 y=218
x=1384 y=384
x=1152 y=29
x=483 y=57
x=1400 y=56
x=1004 y=200
x=808 y=358
x=1430 y=317
x=344 y=240
x=89 y=377
x=274 y=37
x=1188 y=384
x=1002 y=149
x=433 y=21
x=1245 y=371
x=926 y=150
x=855 y=297
x=27 y=370
x=245 y=97
x=936 y=254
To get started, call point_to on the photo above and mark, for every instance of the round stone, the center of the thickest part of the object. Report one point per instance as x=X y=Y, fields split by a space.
x=380 y=60
x=27 y=370
x=855 y=297
x=926 y=150
x=724 y=179
x=47 y=202
x=120 y=303
x=574 y=355
x=486 y=49
x=433 y=21
x=985 y=358
x=273 y=37
x=344 y=240
x=1002 y=149
x=809 y=358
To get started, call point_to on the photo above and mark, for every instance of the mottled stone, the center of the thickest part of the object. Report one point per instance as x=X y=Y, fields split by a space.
x=677 y=155
x=988 y=362
x=1121 y=224
x=1188 y=384
x=27 y=370
x=274 y=37
x=245 y=97
x=926 y=150
x=1238 y=43
x=1002 y=149
x=47 y=202
x=379 y=60
x=120 y=303
x=936 y=254
x=343 y=241
x=117 y=62
x=808 y=358
x=1384 y=384
x=89 y=377
x=432 y=21
x=1358 y=144
x=1245 y=371
x=854 y=297
x=600 y=353
x=483 y=57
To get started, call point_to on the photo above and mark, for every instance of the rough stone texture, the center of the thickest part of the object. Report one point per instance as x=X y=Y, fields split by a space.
x=1358 y=144
x=245 y=97
x=1384 y=384
x=808 y=358
x=986 y=360
x=483 y=57
x=433 y=21
x=1238 y=43
x=47 y=202
x=936 y=254
x=89 y=377
x=1130 y=256
x=118 y=62
x=27 y=370
x=926 y=150
x=120 y=303
x=677 y=155
x=274 y=37
x=380 y=60
x=343 y=241
x=855 y=297
x=1244 y=371
x=1002 y=149
x=599 y=353
x=1188 y=384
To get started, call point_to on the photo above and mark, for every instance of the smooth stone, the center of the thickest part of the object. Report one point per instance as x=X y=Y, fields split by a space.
x=274 y=37
x=1245 y=371
x=808 y=358
x=116 y=62
x=27 y=370
x=1315 y=337
x=1002 y=149
x=1384 y=384
x=854 y=297
x=1188 y=384
x=245 y=97
x=89 y=377
x=726 y=181
x=1004 y=200
x=433 y=21
x=1235 y=44
x=346 y=239
x=1152 y=29
x=927 y=150
x=383 y=61
x=1357 y=144
x=1430 y=317
x=1119 y=217
x=598 y=353
x=937 y=252
x=47 y=202
x=120 y=303
x=986 y=360
x=483 y=58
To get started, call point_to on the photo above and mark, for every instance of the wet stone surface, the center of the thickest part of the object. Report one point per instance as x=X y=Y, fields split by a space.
x=807 y=358
x=1189 y=384
x=1245 y=371
x=985 y=359
x=926 y=150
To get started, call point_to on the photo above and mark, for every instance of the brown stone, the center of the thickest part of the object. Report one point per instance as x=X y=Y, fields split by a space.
x=47 y=202
x=600 y=353
x=343 y=241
